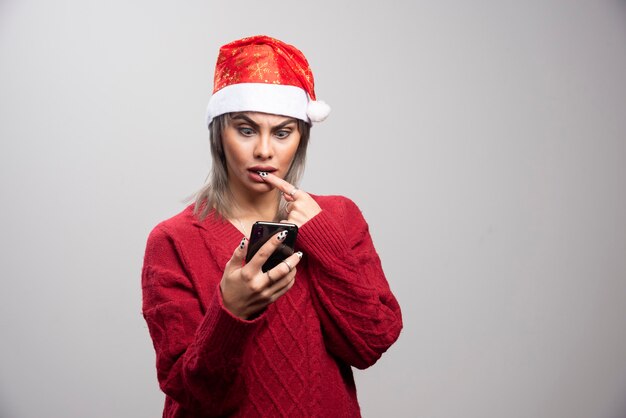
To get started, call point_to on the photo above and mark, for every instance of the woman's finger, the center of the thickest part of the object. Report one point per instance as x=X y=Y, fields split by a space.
x=286 y=284
x=276 y=276
x=265 y=251
x=273 y=295
x=302 y=206
x=239 y=255
x=289 y=191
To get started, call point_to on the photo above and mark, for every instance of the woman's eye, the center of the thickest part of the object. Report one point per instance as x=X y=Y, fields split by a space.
x=246 y=131
x=282 y=134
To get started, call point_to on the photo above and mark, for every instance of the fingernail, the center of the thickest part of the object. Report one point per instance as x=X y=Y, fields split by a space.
x=262 y=174
x=299 y=254
x=282 y=235
x=243 y=243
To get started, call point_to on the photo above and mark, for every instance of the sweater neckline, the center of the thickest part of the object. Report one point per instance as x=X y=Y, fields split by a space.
x=225 y=236
x=214 y=223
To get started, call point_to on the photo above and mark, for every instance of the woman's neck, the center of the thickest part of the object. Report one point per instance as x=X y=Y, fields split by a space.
x=251 y=208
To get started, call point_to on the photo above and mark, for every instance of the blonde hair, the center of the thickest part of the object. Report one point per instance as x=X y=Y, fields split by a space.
x=215 y=194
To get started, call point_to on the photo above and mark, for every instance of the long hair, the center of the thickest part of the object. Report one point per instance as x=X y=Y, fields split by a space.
x=215 y=194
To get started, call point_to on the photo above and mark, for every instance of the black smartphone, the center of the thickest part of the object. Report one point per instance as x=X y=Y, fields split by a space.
x=262 y=231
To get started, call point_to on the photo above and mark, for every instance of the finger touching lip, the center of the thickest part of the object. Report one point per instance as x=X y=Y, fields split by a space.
x=274 y=180
x=269 y=177
x=255 y=176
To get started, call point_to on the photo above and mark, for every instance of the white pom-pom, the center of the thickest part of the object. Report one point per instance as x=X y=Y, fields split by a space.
x=317 y=110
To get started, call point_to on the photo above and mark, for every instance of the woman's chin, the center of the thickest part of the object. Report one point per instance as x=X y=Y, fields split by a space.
x=263 y=187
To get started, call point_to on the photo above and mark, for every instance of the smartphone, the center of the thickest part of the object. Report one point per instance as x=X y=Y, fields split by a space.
x=262 y=231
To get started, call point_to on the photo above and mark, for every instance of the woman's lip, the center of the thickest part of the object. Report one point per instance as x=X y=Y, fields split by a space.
x=254 y=176
x=253 y=173
x=256 y=169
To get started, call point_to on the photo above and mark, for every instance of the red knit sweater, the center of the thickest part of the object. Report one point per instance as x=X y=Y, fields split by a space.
x=294 y=359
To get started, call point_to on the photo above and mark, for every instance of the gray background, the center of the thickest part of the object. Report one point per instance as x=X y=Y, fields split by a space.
x=484 y=141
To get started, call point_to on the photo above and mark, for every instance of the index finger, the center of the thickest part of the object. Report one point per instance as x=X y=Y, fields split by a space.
x=264 y=252
x=280 y=184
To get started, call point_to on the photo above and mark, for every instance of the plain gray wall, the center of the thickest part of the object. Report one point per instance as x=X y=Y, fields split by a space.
x=484 y=141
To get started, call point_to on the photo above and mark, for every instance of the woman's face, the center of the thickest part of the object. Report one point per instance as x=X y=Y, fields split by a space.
x=256 y=142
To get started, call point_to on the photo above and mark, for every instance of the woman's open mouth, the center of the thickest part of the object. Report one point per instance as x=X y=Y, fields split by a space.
x=256 y=173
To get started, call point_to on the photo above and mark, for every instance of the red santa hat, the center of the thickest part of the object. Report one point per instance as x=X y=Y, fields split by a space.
x=263 y=74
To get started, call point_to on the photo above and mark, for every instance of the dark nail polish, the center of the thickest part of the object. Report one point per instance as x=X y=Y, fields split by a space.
x=282 y=235
x=243 y=243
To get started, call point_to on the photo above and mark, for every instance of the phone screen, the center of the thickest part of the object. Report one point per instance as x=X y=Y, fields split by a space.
x=262 y=231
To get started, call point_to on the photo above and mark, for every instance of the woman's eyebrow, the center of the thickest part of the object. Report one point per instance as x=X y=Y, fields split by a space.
x=245 y=119
x=285 y=123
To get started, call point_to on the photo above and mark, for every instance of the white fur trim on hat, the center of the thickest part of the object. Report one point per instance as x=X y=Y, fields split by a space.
x=277 y=99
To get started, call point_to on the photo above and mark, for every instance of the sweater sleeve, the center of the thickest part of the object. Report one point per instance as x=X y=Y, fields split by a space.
x=360 y=316
x=198 y=353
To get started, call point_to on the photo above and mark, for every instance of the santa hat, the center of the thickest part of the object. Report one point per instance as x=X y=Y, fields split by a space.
x=263 y=74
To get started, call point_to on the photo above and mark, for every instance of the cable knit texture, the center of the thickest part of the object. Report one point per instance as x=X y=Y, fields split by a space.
x=295 y=358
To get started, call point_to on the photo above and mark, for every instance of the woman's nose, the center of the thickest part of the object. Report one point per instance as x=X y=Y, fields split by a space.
x=263 y=149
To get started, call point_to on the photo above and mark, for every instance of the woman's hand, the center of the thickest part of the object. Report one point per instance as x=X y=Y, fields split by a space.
x=246 y=290
x=301 y=207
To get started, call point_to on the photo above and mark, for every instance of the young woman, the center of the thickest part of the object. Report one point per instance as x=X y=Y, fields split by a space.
x=230 y=339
